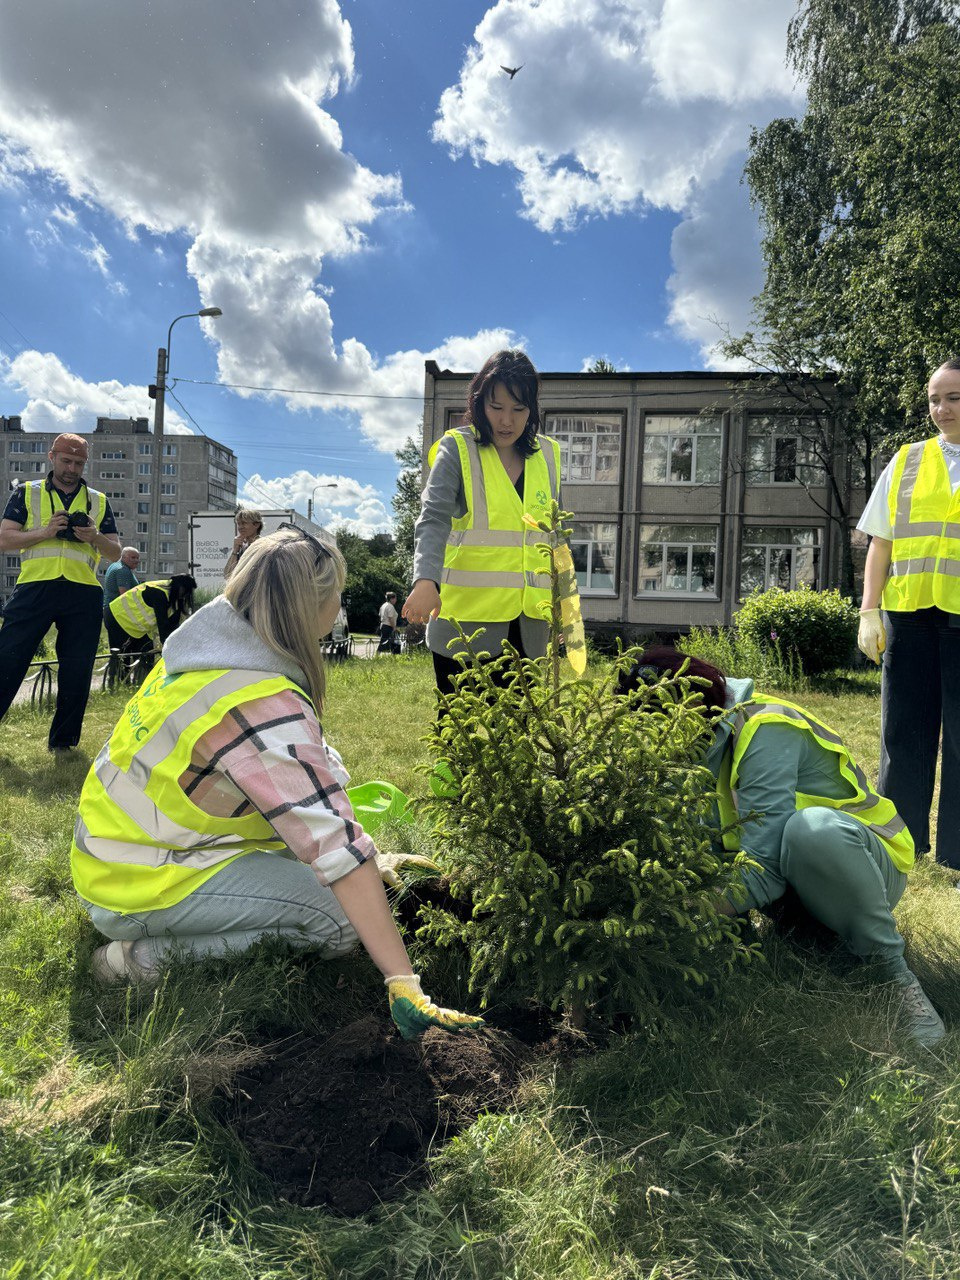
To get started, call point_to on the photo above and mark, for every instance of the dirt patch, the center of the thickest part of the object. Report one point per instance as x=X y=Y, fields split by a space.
x=346 y=1122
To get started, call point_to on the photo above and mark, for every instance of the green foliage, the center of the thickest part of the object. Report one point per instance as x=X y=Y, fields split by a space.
x=578 y=828
x=740 y=655
x=406 y=500
x=373 y=569
x=814 y=629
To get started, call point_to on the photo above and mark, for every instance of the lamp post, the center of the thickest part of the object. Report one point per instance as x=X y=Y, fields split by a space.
x=330 y=484
x=163 y=368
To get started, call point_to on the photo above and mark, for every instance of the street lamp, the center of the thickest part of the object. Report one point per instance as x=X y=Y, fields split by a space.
x=330 y=484
x=163 y=368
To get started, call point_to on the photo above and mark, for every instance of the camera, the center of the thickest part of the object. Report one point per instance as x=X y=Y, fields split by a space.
x=75 y=520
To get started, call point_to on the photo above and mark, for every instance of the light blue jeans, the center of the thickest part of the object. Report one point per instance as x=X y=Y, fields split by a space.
x=259 y=895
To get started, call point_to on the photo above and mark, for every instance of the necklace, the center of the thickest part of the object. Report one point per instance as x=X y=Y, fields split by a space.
x=951 y=450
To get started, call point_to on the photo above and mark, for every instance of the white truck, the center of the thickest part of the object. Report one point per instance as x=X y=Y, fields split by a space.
x=211 y=539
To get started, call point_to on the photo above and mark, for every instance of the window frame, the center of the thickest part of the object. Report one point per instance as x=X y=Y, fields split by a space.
x=692 y=434
x=609 y=423
x=688 y=594
x=588 y=590
x=816 y=547
x=774 y=433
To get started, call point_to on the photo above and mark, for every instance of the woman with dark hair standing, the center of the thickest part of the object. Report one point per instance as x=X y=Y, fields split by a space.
x=822 y=831
x=475 y=561
x=913 y=573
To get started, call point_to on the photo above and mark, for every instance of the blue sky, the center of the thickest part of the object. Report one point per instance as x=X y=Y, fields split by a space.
x=358 y=186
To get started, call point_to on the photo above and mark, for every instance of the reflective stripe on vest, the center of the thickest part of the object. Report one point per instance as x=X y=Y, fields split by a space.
x=133 y=613
x=56 y=557
x=140 y=843
x=493 y=569
x=877 y=814
x=925 y=513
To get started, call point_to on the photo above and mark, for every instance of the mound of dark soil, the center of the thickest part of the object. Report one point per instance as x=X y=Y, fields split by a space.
x=347 y=1122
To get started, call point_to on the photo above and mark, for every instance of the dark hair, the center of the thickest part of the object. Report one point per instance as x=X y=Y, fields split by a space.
x=515 y=370
x=953 y=364
x=182 y=587
x=661 y=660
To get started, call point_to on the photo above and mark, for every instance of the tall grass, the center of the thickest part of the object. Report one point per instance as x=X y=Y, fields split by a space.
x=775 y=1129
x=742 y=656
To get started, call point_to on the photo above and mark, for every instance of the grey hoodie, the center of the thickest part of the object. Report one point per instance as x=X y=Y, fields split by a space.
x=217 y=637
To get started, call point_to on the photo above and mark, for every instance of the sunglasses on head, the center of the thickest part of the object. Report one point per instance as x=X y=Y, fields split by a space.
x=322 y=552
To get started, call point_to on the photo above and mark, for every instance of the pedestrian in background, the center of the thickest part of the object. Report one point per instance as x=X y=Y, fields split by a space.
x=388 y=624
x=60 y=528
x=120 y=577
x=249 y=526
x=913 y=573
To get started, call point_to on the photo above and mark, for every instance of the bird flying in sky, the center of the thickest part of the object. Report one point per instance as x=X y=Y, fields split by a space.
x=511 y=71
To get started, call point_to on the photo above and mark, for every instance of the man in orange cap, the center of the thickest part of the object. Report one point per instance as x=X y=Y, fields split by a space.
x=60 y=528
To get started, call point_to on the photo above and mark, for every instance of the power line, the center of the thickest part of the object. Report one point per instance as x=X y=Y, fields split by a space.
x=299 y=391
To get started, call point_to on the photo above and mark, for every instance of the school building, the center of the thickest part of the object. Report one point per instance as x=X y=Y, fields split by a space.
x=688 y=491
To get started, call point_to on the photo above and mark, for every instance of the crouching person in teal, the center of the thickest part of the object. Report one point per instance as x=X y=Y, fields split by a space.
x=823 y=831
x=217 y=815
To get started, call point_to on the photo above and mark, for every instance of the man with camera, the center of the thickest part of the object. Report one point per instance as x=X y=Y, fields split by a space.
x=60 y=528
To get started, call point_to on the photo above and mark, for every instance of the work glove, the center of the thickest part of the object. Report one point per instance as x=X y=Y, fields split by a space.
x=871 y=638
x=391 y=864
x=413 y=1012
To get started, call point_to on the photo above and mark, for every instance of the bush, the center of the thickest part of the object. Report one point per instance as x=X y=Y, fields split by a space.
x=816 y=628
x=575 y=825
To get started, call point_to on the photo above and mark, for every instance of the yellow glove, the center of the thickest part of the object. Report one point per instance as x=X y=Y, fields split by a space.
x=391 y=864
x=871 y=638
x=413 y=1012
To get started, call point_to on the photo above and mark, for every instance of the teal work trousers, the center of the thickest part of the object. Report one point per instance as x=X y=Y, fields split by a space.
x=843 y=876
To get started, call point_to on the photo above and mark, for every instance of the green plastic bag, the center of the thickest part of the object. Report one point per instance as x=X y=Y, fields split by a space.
x=375 y=803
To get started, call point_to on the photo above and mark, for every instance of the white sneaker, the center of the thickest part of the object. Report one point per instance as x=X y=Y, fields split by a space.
x=114 y=961
x=918 y=1017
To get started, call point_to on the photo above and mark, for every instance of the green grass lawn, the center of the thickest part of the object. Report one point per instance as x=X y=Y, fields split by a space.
x=778 y=1128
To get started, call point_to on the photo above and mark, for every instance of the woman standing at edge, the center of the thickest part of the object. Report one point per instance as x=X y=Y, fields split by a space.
x=249 y=526
x=474 y=560
x=913 y=572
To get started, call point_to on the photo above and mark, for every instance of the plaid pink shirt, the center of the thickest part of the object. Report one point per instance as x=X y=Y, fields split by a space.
x=270 y=755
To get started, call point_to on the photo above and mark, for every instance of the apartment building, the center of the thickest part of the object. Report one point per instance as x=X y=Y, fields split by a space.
x=688 y=490
x=196 y=474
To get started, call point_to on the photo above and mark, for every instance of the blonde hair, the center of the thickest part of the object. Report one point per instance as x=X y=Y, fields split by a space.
x=279 y=587
x=249 y=515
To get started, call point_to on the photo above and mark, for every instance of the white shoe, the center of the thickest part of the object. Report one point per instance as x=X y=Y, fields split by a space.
x=114 y=961
x=918 y=1017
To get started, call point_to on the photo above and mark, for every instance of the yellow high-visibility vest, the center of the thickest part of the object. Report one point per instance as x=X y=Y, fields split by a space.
x=877 y=814
x=140 y=843
x=492 y=568
x=56 y=557
x=133 y=613
x=925 y=513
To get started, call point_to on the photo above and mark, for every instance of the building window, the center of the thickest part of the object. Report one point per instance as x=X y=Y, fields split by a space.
x=169 y=450
x=168 y=488
x=16 y=446
x=166 y=566
x=679 y=559
x=143 y=468
x=143 y=508
x=142 y=547
x=168 y=508
x=589 y=446
x=681 y=449
x=38 y=446
x=167 y=527
x=142 y=526
x=17 y=466
x=167 y=548
x=594 y=550
x=779 y=556
x=39 y=466
x=118 y=514
x=112 y=454
x=781 y=450
x=111 y=475
x=144 y=450
x=143 y=486
x=169 y=468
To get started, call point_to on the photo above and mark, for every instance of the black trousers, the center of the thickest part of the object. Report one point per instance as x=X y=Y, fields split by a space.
x=445 y=667
x=388 y=639
x=921 y=698
x=76 y=611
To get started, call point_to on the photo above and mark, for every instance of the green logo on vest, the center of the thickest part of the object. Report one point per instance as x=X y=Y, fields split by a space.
x=542 y=498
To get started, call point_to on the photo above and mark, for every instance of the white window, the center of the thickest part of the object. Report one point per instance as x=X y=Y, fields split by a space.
x=167 y=526
x=142 y=526
x=144 y=449
x=169 y=468
x=17 y=446
x=681 y=449
x=118 y=514
x=11 y=579
x=114 y=453
x=781 y=450
x=38 y=446
x=143 y=508
x=166 y=566
x=168 y=488
x=143 y=468
x=594 y=549
x=169 y=450
x=143 y=486
x=111 y=475
x=168 y=508
x=167 y=548
x=779 y=556
x=38 y=466
x=677 y=559
x=17 y=466
x=589 y=446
